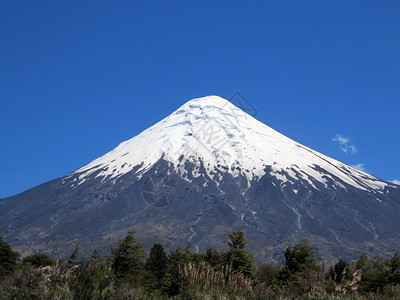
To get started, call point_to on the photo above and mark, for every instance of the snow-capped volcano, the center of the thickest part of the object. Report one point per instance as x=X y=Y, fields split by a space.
x=203 y=171
x=213 y=131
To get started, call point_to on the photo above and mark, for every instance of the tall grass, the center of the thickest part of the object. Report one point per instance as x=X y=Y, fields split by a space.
x=202 y=276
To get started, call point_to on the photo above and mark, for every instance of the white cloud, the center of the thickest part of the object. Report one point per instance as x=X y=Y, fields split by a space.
x=345 y=144
x=395 y=181
x=359 y=166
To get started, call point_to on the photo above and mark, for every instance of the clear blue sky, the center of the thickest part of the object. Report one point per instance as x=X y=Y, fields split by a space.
x=79 y=77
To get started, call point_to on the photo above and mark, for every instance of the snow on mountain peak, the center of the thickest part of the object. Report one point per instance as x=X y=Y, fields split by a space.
x=214 y=132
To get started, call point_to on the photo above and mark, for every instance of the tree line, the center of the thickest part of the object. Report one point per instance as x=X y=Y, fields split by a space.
x=128 y=273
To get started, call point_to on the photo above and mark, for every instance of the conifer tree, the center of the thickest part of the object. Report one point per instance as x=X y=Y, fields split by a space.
x=128 y=258
x=300 y=258
x=301 y=270
x=172 y=282
x=214 y=258
x=240 y=259
x=157 y=263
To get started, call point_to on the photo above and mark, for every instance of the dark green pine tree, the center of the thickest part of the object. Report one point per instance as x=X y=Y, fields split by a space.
x=301 y=270
x=214 y=258
x=8 y=259
x=173 y=280
x=157 y=263
x=128 y=258
x=300 y=258
x=240 y=259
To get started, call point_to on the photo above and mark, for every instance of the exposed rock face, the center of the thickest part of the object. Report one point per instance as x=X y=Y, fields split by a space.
x=205 y=170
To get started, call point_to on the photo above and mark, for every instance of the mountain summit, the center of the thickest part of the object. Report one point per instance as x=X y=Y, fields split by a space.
x=213 y=130
x=203 y=171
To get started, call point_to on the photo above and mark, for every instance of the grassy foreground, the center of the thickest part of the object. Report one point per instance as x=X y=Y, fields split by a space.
x=127 y=273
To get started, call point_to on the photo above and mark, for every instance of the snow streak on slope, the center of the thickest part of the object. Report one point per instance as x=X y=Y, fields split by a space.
x=213 y=132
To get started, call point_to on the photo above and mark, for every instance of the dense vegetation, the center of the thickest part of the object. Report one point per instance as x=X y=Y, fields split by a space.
x=128 y=274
